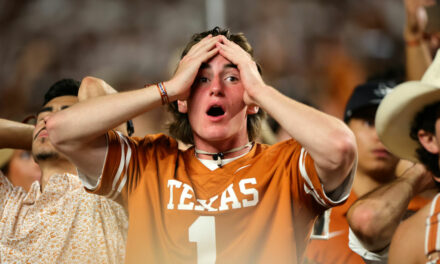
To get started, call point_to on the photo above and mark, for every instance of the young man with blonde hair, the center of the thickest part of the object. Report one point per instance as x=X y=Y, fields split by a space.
x=226 y=199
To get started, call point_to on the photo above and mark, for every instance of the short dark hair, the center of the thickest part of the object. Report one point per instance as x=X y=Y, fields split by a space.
x=426 y=120
x=64 y=87
x=180 y=128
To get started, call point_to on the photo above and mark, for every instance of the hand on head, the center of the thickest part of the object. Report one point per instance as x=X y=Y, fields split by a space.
x=180 y=84
x=249 y=74
x=203 y=51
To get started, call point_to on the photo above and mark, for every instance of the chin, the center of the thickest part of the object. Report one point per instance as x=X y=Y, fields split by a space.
x=383 y=174
x=214 y=134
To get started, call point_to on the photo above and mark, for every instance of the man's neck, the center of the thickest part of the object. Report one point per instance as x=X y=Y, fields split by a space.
x=222 y=147
x=225 y=154
x=52 y=167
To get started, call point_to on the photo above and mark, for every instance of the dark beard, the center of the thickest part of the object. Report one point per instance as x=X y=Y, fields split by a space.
x=46 y=156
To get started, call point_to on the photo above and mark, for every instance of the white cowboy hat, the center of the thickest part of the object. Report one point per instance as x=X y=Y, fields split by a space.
x=399 y=108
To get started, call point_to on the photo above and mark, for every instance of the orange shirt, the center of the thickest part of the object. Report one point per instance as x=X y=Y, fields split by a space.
x=256 y=209
x=432 y=233
x=334 y=247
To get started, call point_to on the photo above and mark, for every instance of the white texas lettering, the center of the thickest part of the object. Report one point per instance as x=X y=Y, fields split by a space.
x=228 y=196
x=171 y=185
x=253 y=191
x=203 y=205
x=184 y=193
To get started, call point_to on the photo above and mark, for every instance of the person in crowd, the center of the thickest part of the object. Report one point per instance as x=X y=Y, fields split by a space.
x=407 y=123
x=56 y=221
x=375 y=217
x=226 y=199
x=376 y=168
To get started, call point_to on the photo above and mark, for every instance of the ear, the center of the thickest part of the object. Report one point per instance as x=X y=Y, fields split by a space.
x=252 y=109
x=182 y=106
x=428 y=141
x=436 y=179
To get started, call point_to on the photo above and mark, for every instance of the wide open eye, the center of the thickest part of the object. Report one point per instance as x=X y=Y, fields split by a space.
x=231 y=79
x=202 y=79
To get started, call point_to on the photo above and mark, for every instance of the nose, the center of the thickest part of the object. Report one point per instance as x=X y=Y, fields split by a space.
x=216 y=87
x=46 y=118
x=375 y=136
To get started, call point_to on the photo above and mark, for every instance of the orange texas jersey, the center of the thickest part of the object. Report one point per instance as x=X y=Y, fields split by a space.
x=329 y=241
x=432 y=233
x=257 y=209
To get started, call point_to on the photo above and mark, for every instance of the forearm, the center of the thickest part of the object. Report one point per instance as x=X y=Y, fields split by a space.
x=15 y=135
x=327 y=139
x=92 y=118
x=418 y=56
x=375 y=217
x=418 y=59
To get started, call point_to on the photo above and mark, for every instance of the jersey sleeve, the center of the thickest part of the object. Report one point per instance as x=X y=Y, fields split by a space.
x=128 y=161
x=121 y=162
x=368 y=256
x=310 y=184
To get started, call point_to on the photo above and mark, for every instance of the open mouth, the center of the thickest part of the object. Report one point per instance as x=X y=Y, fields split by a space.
x=215 y=111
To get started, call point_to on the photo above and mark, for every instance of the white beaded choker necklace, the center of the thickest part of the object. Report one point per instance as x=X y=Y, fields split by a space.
x=220 y=155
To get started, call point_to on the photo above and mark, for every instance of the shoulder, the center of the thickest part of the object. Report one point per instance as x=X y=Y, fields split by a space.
x=287 y=147
x=148 y=140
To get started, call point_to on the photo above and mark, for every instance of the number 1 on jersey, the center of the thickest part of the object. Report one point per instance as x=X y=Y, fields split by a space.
x=202 y=232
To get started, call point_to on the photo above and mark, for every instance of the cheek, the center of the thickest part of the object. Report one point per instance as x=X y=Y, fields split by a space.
x=362 y=141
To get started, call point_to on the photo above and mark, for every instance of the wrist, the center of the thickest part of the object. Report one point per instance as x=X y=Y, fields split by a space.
x=412 y=38
x=261 y=93
x=414 y=177
x=173 y=95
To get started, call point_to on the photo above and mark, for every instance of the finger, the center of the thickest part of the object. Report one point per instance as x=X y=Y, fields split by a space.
x=230 y=43
x=203 y=45
x=235 y=54
x=226 y=52
x=208 y=55
x=205 y=52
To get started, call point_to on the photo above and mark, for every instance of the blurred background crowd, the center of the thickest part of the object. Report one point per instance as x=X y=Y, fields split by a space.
x=311 y=50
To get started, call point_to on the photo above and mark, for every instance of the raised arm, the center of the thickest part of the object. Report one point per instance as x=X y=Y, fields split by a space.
x=327 y=139
x=418 y=55
x=79 y=131
x=375 y=217
x=15 y=135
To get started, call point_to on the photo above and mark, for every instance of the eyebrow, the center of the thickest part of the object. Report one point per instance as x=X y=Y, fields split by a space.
x=229 y=65
x=50 y=109
x=45 y=109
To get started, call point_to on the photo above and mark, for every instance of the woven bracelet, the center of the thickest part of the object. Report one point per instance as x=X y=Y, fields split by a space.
x=163 y=93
